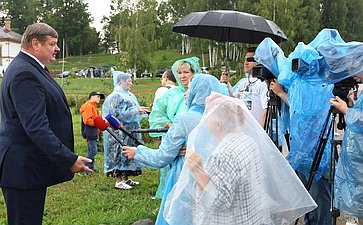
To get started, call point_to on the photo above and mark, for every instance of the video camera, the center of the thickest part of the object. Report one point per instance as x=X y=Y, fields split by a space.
x=298 y=65
x=265 y=74
x=262 y=73
x=342 y=88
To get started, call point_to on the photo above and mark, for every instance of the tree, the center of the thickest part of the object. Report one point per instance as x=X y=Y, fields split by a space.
x=334 y=14
x=133 y=29
x=21 y=12
x=354 y=23
x=71 y=19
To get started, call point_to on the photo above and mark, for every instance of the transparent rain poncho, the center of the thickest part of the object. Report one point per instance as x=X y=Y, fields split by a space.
x=122 y=104
x=234 y=174
x=168 y=152
x=349 y=171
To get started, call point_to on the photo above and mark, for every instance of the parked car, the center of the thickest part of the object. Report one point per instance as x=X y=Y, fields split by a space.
x=159 y=72
x=64 y=74
x=205 y=69
x=146 y=74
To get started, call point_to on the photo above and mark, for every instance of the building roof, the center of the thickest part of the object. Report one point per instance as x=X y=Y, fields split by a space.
x=9 y=35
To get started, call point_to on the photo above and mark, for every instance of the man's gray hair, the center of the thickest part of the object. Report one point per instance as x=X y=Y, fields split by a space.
x=38 y=31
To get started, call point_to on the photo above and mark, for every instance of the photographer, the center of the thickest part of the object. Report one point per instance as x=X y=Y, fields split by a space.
x=348 y=181
x=251 y=89
x=224 y=79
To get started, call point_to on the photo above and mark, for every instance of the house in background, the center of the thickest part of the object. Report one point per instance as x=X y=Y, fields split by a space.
x=9 y=45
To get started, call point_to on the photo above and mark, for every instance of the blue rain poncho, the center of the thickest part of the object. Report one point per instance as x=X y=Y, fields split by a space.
x=269 y=54
x=201 y=87
x=310 y=89
x=308 y=98
x=340 y=59
x=172 y=102
x=122 y=104
x=349 y=171
x=248 y=180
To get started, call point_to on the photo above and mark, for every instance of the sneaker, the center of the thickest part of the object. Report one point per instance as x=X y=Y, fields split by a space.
x=351 y=223
x=122 y=185
x=132 y=183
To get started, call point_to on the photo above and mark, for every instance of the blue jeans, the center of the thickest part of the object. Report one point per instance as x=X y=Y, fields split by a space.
x=320 y=192
x=92 y=151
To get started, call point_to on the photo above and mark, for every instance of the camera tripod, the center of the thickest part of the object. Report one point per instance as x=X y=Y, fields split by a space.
x=271 y=120
x=328 y=128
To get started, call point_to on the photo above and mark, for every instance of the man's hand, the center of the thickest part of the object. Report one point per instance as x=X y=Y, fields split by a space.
x=195 y=164
x=339 y=104
x=129 y=152
x=143 y=110
x=278 y=89
x=225 y=77
x=193 y=161
x=79 y=166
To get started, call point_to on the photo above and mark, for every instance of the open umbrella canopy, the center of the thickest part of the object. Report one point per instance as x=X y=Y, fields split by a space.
x=228 y=25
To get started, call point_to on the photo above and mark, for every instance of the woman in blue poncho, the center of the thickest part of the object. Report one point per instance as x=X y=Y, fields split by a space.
x=201 y=86
x=122 y=104
x=170 y=104
x=349 y=172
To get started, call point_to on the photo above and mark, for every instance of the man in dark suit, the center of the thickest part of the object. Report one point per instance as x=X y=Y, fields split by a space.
x=36 y=133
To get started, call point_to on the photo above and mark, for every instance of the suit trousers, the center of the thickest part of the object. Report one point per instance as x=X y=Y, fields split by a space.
x=24 y=207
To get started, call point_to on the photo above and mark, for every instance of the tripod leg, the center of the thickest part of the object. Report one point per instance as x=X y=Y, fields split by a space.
x=334 y=211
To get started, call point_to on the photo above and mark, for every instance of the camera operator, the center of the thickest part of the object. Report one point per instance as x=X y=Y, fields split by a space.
x=319 y=189
x=279 y=90
x=348 y=183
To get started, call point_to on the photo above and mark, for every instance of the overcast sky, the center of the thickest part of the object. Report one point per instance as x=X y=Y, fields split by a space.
x=98 y=9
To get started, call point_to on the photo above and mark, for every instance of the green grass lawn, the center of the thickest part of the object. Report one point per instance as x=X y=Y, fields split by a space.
x=88 y=200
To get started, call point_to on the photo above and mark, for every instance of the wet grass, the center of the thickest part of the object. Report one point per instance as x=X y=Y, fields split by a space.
x=92 y=199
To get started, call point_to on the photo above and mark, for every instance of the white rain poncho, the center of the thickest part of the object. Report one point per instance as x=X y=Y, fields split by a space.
x=168 y=153
x=349 y=171
x=234 y=174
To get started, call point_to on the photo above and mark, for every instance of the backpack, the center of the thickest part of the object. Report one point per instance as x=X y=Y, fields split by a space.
x=88 y=132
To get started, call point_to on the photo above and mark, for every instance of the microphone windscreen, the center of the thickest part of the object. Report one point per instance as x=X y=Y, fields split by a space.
x=114 y=122
x=101 y=123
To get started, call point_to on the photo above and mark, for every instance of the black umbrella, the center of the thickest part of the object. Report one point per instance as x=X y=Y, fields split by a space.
x=227 y=25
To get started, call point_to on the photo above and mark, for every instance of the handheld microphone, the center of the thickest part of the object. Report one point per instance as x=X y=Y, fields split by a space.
x=116 y=124
x=102 y=124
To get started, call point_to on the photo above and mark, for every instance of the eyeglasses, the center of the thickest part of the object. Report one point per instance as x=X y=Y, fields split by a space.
x=250 y=59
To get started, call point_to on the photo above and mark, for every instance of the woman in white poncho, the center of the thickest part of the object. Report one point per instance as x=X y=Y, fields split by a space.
x=234 y=174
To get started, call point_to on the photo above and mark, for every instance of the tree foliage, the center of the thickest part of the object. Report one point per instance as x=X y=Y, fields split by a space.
x=138 y=27
x=69 y=17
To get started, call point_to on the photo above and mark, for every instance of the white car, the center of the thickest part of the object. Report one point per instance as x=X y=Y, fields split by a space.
x=64 y=74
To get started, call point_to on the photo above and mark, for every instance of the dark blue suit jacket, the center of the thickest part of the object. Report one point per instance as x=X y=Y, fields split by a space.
x=36 y=132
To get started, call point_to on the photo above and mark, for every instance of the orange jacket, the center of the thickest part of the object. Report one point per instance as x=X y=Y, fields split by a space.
x=89 y=111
